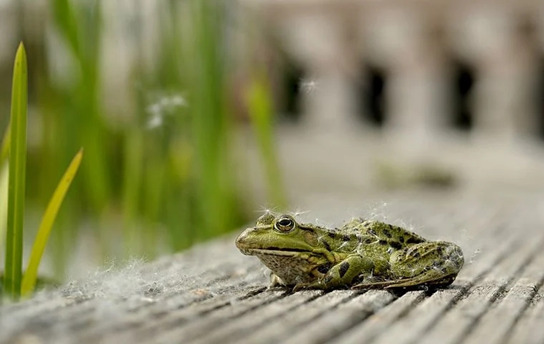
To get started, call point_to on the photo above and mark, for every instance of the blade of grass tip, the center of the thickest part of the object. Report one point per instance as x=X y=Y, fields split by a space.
x=31 y=273
x=17 y=173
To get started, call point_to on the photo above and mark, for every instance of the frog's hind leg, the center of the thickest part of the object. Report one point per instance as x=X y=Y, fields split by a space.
x=429 y=263
x=425 y=264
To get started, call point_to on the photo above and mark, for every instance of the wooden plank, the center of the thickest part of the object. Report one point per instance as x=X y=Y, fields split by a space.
x=147 y=321
x=331 y=324
x=512 y=306
x=529 y=329
x=231 y=323
x=454 y=325
x=212 y=293
x=382 y=319
x=422 y=315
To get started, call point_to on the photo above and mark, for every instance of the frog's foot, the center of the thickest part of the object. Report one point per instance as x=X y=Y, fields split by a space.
x=320 y=285
x=275 y=281
x=425 y=280
x=302 y=286
x=340 y=276
x=431 y=278
x=375 y=285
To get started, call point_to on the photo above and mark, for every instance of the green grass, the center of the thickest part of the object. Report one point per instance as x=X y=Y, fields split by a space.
x=149 y=185
x=4 y=174
x=14 y=284
x=262 y=114
x=31 y=273
x=6 y=139
x=17 y=174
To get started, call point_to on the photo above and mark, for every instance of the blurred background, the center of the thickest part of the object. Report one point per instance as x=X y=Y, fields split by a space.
x=196 y=115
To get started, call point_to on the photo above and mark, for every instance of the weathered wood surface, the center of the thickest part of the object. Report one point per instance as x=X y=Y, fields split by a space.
x=213 y=294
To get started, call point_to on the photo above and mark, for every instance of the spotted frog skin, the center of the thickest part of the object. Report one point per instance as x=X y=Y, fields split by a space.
x=360 y=255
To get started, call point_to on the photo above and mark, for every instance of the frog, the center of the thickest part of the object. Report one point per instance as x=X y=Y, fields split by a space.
x=361 y=254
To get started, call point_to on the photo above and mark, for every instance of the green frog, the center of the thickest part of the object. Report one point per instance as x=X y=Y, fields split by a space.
x=362 y=254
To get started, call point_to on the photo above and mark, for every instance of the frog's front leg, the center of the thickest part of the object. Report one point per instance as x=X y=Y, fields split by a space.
x=429 y=263
x=341 y=274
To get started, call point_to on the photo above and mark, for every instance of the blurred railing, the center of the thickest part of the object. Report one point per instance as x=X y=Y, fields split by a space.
x=416 y=45
x=479 y=64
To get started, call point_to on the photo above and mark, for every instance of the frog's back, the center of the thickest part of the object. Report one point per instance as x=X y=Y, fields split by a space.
x=384 y=231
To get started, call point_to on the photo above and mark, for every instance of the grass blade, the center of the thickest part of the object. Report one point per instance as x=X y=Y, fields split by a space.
x=17 y=173
x=261 y=113
x=31 y=273
x=3 y=201
x=4 y=152
x=4 y=168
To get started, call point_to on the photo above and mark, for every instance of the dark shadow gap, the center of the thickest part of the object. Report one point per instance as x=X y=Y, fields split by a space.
x=539 y=100
x=463 y=82
x=371 y=91
x=290 y=92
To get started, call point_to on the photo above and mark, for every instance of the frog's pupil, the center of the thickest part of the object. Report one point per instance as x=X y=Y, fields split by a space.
x=286 y=223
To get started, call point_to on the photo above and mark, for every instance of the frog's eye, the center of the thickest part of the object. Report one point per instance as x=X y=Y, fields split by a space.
x=284 y=224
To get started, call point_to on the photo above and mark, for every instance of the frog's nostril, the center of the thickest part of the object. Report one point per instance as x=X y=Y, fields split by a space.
x=240 y=239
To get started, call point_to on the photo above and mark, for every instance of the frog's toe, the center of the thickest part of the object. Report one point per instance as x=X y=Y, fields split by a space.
x=373 y=285
x=275 y=287
x=301 y=286
x=276 y=281
x=425 y=281
x=313 y=285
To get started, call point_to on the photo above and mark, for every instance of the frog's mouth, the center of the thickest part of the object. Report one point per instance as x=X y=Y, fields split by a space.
x=272 y=251
x=250 y=247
